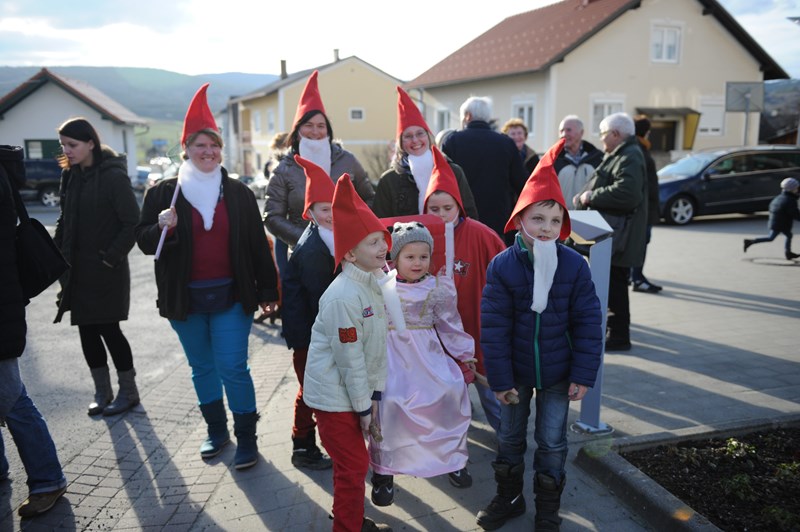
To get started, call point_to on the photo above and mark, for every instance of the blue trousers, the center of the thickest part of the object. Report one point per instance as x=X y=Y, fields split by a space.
x=550 y=430
x=787 y=246
x=216 y=348
x=35 y=446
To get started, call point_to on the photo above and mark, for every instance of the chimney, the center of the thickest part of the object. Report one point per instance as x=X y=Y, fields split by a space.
x=284 y=75
x=335 y=55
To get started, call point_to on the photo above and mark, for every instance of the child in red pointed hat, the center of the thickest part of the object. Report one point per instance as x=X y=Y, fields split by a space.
x=474 y=246
x=346 y=365
x=540 y=330
x=311 y=137
x=307 y=275
x=213 y=272
x=401 y=189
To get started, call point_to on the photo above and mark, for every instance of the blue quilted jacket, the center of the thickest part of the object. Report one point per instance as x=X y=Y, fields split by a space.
x=521 y=347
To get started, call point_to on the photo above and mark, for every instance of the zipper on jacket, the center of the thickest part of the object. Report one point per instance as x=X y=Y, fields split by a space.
x=536 y=359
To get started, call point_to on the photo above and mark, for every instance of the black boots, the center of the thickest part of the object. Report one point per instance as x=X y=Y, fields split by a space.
x=306 y=454
x=791 y=256
x=509 y=501
x=103 y=394
x=127 y=396
x=218 y=435
x=548 y=501
x=244 y=427
x=747 y=244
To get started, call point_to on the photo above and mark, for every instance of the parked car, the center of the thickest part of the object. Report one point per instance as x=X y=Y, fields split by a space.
x=42 y=180
x=259 y=186
x=724 y=181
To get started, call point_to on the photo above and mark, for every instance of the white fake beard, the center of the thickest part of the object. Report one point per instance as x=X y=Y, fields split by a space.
x=316 y=151
x=391 y=299
x=327 y=237
x=545 y=263
x=421 y=169
x=201 y=190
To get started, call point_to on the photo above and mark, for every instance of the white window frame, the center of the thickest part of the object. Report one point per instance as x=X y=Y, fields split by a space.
x=443 y=119
x=526 y=111
x=610 y=105
x=256 y=121
x=353 y=110
x=659 y=34
x=270 y=121
x=711 y=107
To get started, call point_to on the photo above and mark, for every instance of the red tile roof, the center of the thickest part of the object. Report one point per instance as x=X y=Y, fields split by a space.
x=535 y=40
x=526 y=42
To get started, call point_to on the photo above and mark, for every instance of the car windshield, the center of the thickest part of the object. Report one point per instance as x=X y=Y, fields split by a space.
x=688 y=166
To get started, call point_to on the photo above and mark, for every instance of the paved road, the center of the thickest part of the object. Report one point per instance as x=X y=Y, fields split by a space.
x=717 y=347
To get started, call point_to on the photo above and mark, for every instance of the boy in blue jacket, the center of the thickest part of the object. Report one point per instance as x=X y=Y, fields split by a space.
x=540 y=330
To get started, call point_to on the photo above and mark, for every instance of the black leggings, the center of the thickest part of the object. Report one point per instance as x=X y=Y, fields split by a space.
x=92 y=337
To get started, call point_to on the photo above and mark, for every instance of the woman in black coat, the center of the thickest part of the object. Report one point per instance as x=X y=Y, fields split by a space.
x=95 y=233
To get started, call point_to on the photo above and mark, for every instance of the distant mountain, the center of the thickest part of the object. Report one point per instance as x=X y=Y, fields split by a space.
x=148 y=92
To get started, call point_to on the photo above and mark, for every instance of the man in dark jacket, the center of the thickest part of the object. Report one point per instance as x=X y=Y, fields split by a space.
x=491 y=163
x=619 y=188
x=18 y=414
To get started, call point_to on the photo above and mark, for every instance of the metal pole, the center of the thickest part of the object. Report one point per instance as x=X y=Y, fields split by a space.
x=746 y=115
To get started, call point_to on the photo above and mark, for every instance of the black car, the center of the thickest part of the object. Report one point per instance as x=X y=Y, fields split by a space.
x=725 y=181
x=42 y=179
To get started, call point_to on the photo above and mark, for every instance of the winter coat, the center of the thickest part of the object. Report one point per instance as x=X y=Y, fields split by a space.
x=347 y=357
x=493 y=169
x=783 y=211
x=573 y=176
x=286 y=192
x=529 y=159
x=95 y=232
x=398 y=195
x=653 y=210
x=307 y=275
x=12 y=302
x=522 y=347
x=620 y=187
x=254 y=274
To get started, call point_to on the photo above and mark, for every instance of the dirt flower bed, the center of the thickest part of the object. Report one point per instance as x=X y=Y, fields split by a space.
x=745 y=483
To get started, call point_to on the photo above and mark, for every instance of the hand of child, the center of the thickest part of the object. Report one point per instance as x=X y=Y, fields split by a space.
x=577 y=391
x=365 y=421
x=508 y=397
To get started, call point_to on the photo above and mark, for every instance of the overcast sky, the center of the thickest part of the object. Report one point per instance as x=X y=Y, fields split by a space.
x=203 y=36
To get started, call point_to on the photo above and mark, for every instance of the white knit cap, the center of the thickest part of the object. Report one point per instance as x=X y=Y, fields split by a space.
x=791 y=184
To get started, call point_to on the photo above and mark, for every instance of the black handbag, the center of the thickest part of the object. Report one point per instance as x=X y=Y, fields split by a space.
x=39 y=261
x=211 y=295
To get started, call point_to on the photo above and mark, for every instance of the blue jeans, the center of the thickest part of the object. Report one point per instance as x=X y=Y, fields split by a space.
x=787 y=246
x=216 y=348
x=35 y=446
x=550 y=431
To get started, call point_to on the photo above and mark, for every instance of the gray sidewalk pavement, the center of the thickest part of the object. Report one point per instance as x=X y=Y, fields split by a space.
x=716 y=348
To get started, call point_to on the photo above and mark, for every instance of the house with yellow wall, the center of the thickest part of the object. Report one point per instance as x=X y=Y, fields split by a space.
x=669 y=59
x=360 y=102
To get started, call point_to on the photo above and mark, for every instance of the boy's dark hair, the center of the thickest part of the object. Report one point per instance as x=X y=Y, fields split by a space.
x=548 y=203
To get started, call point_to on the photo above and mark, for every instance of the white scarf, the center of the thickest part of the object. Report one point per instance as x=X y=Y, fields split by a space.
x=421 y=168
x=545 y=262
x=327 y=237
x=317 y=151
x=201 y=190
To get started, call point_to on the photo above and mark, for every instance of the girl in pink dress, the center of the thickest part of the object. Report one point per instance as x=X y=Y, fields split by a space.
x=425 y=410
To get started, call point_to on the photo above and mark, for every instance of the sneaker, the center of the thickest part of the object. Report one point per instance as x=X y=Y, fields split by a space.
x=646 y=286
x=500 y=510
x=312 y=459
x=368 y=525
x=617 y=344
x=747 y=244
x=460 y=478
x=791 y=256
x=39 y=503
x=382 y=490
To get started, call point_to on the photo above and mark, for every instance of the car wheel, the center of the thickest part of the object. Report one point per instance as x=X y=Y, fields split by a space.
x=679 y=211
x=49 y=197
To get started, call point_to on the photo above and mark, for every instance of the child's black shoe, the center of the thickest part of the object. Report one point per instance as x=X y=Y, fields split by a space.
x=460 y=478
x=382 y=489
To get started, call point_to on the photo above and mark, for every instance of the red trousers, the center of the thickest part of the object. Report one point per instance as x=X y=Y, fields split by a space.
x=303 y=416
x=340 y=433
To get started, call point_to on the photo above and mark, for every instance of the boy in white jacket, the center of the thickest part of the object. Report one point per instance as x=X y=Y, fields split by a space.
x=346 y=366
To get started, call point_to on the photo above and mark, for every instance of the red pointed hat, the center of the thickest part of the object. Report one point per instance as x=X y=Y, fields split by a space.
x=319 y=186
x=543 y=185
x=198 y=116
x=408 y=113
x=310 y=100
x=352 y=219
x=443 y=180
